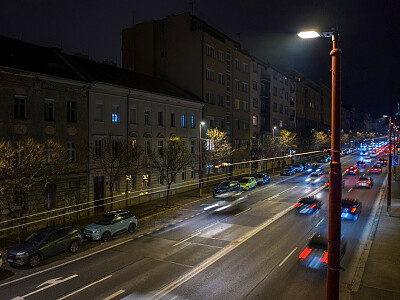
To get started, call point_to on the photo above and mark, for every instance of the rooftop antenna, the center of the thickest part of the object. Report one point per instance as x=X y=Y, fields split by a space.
x=192 y=6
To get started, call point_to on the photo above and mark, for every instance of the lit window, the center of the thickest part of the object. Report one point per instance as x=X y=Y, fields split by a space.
x=115 y=114
x=192 y=121
x=183 y=121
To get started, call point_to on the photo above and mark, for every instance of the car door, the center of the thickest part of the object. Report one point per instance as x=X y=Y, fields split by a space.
x=117 y=224
x=63 y=239
x=49 y=247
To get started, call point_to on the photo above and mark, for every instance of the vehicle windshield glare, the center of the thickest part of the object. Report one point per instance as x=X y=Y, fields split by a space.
x=36 y=237
x=105 y=219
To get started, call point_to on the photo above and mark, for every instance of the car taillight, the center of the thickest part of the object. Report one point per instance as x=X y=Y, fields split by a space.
x=297 y=204
x=324 y=258
x=358 y=181
x=353 y=210
x=347 y=170
x=369 y=182
x=312 y=206
x=305 y=253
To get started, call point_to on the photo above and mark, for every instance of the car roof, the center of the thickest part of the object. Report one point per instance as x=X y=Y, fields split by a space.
x=349 y=202
x=319 y=240
x=310 y=199
x=51 y=229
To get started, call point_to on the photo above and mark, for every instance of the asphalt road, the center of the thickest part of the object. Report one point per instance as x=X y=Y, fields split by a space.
x=247 y=253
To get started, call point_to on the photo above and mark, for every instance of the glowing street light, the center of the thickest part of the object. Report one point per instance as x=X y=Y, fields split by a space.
x=202 y=123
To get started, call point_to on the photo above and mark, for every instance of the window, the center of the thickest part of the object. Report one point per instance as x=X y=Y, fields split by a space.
x=275 y=91
x=237 y=144
x=48 y=110
x=275 y=107
x=97 y=148
x=210 y=51
x=147 y=117
x=281 y=108
x=245 y=125
x=286 y=95
x=221 y=124
x=115 y=114
x=48 y=152
x=255 y=85
x=115 y=147
x=221 y=56
x=255 y=102
x=133 y=145
x=220 y=100
x=99 y=117
x=192 y=145
x=160 y=147
x=160 y=118
x=71 y=112
x=184 y=174
x=245 y=87
x=237 y=104
x=192 y=173
x=210 y=75
x=71 y=151
x=183 y=121
x=115 y=186
x=286 y=110
x=281 y=93
x=245 y=68
x=211 y=123
x=132 y=115
x=210 y=98
x=245 y=106
x=237 y=64
x=255 y=68
x=20 y=107
x=172 y=120
x=292 y=102
x=237 y=124
x=160 y=179
x=147 y=147
x=263 y=87
x=220 y=78
x=255 y=121
x=191 y=121
x=237 y=85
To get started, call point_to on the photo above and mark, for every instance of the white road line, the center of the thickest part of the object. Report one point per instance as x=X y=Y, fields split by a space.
x=188 y=238
x=286 y=258
x=320 y=222
x=114 y=295
x=276 y=195
x=85 y=287
x=67 y=262
x=243 y=211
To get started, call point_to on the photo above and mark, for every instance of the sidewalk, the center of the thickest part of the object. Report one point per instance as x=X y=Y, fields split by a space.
x=381 y=277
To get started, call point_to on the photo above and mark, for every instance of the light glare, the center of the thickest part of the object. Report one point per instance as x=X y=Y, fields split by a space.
x=308 y=34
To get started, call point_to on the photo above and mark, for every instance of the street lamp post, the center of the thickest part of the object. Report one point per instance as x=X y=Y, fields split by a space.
x=200 y=162
x=335 y=174
x=389 y=196
x=273 y=149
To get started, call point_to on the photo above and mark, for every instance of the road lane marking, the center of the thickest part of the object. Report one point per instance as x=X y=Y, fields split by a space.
x=188 y=238
x=286 y=258
x=85 y=287
x=242 y=212
x=45 y=285
x=320 y=222
x=114 y=295
x=276 y=195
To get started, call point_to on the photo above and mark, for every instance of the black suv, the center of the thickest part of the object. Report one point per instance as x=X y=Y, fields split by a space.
x=44 y=243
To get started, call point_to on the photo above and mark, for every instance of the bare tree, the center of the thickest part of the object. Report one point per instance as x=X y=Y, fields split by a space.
x=116 y=159
x=27 y=169
x=217 y=149
x=169 y=161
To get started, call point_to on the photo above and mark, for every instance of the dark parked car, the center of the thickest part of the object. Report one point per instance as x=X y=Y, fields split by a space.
x=45 y=243
x=287 y=171
x=227 y=186
x=262 y=178
x=298 y=168
x=110 y=224
x=351 y=209
x=315 y=255
x=308 y=205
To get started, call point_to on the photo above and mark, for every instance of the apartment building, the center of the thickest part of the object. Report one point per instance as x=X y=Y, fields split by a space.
x=186 y=51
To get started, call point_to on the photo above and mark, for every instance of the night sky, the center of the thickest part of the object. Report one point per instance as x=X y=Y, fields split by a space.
x=370 y=35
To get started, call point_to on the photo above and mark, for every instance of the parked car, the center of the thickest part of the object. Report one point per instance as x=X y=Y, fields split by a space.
x=227 y=186
x=44 y=243
x=308 y=205
x=376 y=169
x=351 y=209
x=287 y=171
x=248 y=183
x=305 y=164
x=111 y=224
x=298 y=168
x=365 y=181
x=262 y=178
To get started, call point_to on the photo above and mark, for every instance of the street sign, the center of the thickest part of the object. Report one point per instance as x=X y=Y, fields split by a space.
x=395 y=161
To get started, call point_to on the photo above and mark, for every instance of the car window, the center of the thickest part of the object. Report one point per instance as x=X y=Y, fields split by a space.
x=117 y=218
x=126 y=215
x=105 y=219
x=52 y=237
x=36 y=237
x=63 y=232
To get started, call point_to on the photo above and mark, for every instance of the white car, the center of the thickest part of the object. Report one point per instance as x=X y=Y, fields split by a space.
x=315 y=178
x=367 y=159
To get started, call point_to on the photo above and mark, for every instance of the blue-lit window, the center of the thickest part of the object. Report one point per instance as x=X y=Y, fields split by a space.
x=115 y=114
x=191 y=121
x=183 y=121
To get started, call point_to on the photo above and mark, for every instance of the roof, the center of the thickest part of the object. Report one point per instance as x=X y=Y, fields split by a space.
x=24 y=56
x=105 y=73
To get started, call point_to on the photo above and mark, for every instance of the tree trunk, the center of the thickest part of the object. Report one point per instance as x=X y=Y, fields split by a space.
x=168 y=188
x=111 y=196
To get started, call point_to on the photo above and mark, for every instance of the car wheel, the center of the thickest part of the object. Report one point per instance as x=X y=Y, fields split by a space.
x=34 y=260
x=355 y=218
x=131 y=227
x=106 y=236
x=74 y=246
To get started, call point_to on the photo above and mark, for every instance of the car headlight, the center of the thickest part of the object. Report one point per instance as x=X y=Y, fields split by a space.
x=309 y=170
x=308 y=179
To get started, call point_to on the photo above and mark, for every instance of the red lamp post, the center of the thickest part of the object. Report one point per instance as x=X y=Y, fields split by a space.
x=389 y=196
x=335 y=174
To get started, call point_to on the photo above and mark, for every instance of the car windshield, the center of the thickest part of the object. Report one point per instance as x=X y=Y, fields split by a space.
x=314 y=175
x=37 y=237
x=224 y=184
x=364 y=178
x=244 y=180
x=105 y=219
